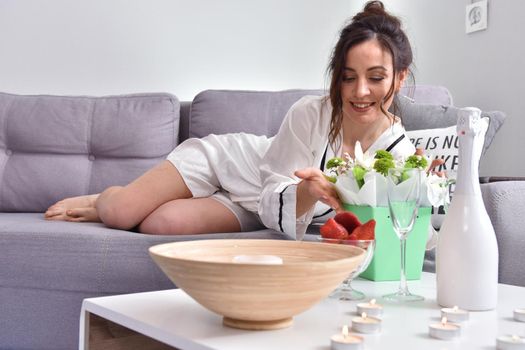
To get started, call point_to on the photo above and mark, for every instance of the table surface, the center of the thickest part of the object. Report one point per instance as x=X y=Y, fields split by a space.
x=172 y=317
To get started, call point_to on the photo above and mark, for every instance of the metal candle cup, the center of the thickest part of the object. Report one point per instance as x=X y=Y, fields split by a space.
x=444 y=330
x=345 y=341
x=371 y=308
x=510 y=342
x=366 y=324
x=519 y=315
x=455 y=314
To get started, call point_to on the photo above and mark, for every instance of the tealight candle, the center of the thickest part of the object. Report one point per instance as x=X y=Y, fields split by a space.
x=345 y=341
x=505 y=342
x=519 y=315
x=258 y=259
x=371 y=308
x=455 y=314
x=366 y=324
x=444 y=330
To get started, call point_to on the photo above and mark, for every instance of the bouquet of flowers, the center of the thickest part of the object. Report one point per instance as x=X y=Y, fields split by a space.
x=361 y=180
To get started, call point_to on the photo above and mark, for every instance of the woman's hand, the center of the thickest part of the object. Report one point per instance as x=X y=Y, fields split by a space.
x=434 y=164
x=315 y=187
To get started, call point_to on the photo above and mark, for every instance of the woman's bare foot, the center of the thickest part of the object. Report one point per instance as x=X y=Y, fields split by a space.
x=76 y=209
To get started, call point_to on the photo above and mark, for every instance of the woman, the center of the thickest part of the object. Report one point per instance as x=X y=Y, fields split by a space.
x=234 y=182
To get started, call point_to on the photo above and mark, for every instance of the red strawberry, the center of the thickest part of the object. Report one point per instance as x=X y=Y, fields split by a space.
x=348 y=219
x=352 y=237
x=331 y=229
x=366 y=231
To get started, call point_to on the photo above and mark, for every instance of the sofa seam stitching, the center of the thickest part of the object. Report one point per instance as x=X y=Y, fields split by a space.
x=4 y=164
x=174 y=139
x=104 y=263
x=89 y=142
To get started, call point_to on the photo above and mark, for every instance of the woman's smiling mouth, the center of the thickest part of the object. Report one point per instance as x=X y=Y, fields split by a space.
x=362 y=106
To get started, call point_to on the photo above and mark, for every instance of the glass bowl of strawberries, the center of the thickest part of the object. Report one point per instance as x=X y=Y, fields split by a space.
x=345 y=228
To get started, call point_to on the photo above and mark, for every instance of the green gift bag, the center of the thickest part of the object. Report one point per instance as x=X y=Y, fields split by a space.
x=386 y=263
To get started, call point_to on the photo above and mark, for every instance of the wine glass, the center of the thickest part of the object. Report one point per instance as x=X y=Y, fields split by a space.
x=403 y=189
x=345 y=291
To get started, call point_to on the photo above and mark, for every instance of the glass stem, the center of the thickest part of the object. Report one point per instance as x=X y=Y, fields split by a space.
x=403 y=288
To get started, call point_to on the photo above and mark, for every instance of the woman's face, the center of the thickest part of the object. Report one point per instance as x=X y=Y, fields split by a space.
x=367 y=77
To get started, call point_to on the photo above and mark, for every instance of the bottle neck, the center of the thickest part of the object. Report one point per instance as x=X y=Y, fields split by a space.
x=470 y=147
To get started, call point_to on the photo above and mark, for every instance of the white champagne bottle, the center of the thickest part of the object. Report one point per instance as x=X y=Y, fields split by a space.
x=467 y=250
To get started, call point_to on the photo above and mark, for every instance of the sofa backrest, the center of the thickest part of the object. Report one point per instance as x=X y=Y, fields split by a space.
x=428 y=94
x=255 y=112
x=52 y=147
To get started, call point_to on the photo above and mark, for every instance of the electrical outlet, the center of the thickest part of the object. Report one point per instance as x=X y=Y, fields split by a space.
x=476 y=16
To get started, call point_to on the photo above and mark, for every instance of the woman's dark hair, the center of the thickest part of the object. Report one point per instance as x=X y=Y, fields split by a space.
x=372 y=23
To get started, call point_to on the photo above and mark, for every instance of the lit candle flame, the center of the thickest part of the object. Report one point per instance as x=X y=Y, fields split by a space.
x=455 y=308
x=516 y=338
x=363 y=315
x=345 y=331
x=444 y=321
x=372 y=302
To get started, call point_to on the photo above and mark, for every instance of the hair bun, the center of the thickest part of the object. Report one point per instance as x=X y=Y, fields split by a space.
x=375 y=8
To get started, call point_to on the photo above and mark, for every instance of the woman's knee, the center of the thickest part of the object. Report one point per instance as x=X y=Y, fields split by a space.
x=115 y=213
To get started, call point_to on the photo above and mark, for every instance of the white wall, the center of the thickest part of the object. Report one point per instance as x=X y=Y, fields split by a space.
x=99 y=47
x=483 y=69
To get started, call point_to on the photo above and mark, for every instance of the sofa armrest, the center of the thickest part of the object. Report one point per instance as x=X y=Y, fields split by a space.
x=505 y=204
x=487 y=179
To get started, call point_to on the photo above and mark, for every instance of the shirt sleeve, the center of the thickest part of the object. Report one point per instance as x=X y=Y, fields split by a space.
x=293 y=148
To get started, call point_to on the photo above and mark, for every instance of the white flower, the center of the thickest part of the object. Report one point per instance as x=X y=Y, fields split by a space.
x=348 y=159
x=363 y=159
x=437 y=190
x=358 y=183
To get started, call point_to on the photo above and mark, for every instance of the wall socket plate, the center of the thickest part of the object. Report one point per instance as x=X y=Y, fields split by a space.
x=476 y=16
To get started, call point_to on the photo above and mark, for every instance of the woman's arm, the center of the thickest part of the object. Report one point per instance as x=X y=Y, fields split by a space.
x=286 y=204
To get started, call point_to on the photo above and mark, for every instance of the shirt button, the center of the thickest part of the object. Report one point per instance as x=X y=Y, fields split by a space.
x=8 y=152
x=91 y=157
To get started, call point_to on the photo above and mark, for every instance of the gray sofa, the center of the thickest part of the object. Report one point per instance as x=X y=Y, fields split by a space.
x=53 y=147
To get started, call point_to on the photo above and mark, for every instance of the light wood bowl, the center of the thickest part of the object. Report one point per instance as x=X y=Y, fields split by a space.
x=253 y=296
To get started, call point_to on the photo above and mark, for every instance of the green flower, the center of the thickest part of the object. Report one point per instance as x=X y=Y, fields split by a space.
x=382 y=165
x=335 y=162
x=382 y=154
x=416 y=161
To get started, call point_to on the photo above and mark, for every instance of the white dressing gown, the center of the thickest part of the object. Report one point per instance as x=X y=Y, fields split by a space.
x=256 y=172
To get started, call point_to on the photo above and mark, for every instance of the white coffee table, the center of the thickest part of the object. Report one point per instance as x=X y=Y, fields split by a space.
x=172 y=317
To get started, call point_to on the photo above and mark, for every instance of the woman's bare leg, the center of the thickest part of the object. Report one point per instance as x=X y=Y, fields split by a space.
x=190 y=216
x=124 y=207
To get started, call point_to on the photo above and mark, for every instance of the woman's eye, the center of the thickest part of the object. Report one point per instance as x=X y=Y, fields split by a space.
x=348 y=79
x=376 y=78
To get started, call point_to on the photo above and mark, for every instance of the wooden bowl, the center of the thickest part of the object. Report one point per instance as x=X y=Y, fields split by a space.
x=256 y=296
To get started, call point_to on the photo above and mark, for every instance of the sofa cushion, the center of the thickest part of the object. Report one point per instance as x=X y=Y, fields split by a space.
x=53 y=147
x=438 y=143
x=427 y=94
x=417 y=116
x=87 y=257
x=255 y=112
